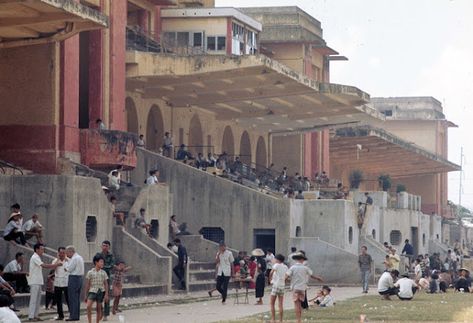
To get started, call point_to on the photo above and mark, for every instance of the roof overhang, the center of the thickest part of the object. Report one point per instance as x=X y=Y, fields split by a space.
x=221 y=12
x=252 y=91
x=375 y=152
x=29 y=22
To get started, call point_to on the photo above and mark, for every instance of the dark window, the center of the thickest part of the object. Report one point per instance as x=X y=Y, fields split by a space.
x=395 y=236
x=213 y=234
x=423 y=239
x=154 y=230
x=221 y=43
x=373 y=234
x=350 y=235
x=182 y=39
x=388 y=113
x=298 y=231
x=438 y=237
x=197 y=39
x=91 y=228
x=211 y=43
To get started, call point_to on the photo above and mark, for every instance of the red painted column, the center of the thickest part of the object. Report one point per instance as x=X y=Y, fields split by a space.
x=158 y=23
x=118 y=16
x=96 y=72
x=69 y=97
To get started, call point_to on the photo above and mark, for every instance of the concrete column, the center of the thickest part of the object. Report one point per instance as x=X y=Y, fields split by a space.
x=118 y=18
x=69 y=98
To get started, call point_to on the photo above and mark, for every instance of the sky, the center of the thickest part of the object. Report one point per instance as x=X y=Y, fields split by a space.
x=404 y=48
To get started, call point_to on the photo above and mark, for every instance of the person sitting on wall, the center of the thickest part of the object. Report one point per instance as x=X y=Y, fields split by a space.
x=183 y=154
x=120 y=216
x=152 y=178
x=299 y=195
x=32 y=228
x=340 y=194
x=140 y=222
x=12 y=231
x=114 y=181
x=100 y=124
x=14 y=272
x=201 y=162
x=324 y=180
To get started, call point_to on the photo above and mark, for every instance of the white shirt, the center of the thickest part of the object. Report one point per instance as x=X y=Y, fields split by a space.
x=269 y=261
x=75 y=265
x=36 y=271
x=10 y=227
x=292 y=262
x=12 y=267
x=152 y=180
x=418 y=271
x=29 y=225
x=225 y=264
x=385 y=282
x=299 y=274
x=114 y=182
x=405 y=287
x=8 y=316
x=61 y=276
x=279 y=275
x=326 y=301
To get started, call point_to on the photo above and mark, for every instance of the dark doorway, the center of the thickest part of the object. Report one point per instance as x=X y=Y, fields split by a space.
x=213 y=234
x=415 y=240
x=154 y=229
x=264 y=239
x=84 y=80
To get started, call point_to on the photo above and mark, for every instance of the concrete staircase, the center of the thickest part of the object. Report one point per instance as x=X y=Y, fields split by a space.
x=201 y=276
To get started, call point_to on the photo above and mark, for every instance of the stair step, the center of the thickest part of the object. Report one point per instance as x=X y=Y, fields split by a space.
x=201 y=275
x=193 y=266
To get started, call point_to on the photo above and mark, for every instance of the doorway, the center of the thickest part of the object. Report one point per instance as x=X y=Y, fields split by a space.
x=264 y=239
x=415 y=239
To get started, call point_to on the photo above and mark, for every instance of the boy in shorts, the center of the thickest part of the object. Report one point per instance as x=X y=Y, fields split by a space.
x=96 y=288
x=117 y=284
x=299 y=274
x=277 y=277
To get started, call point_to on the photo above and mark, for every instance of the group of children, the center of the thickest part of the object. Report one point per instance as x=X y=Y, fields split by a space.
x=298 y=274
x=96 y=287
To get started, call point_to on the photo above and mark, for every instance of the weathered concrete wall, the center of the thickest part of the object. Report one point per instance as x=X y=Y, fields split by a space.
x=200 y=249
x=151 y=267
x=324 y=258
x=203 y=200
x=329 y=220
x=63 y=203
x=157 y=201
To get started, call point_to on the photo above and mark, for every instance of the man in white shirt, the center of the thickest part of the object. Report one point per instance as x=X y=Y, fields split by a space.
x=61 y=278
x=114 y=181
x=141 y=142
x=75 y=268
x=6 y=314
x=153 y=177
x=14 y=272
x=13 y=230
x=407 y=288
x=32 y=228
x=224 y=260
x=269 y=262
x=386 y=284
x=35 y=280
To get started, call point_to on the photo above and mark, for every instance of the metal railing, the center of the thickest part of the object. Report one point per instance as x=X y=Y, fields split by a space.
x=5 y=164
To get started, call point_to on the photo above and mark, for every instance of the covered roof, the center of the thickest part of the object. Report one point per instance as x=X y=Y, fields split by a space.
x=25 y=22
x=376 y=152
x=253 y=91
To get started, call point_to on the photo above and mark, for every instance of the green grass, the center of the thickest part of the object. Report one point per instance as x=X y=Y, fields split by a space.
x=450 y=307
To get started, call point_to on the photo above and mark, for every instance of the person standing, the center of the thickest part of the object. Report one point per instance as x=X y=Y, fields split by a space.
x=277 y=278
x=60 y=282
x=408 y=250
x=180 y=268
x=394 y=260
x=269 y=262
x=365 y=262
x=96 y=288
x=109 y=264
x=167 y=144
x=224 y=261
x=36 y=281
x=75 y=268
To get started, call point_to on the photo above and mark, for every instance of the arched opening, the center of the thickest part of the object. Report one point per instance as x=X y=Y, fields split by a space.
x=214 y=234
x=131 y=116
x=261 y=154
x=154 y=129
x=298 y=231
x=196 y=138
x=245 y=148
x=373 y=234
x=350 y=235
x=228 y=144
x=395 y=237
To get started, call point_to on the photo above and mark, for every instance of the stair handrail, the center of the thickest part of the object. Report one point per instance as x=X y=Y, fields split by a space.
x=4 y=163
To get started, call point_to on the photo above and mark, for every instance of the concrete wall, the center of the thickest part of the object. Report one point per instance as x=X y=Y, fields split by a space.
x=200 y=249
x=211 y=26
x=158 y=204
x=63 y=203
x=328 y=220
x=148 y=264
x=204 y=200
x=324 y=257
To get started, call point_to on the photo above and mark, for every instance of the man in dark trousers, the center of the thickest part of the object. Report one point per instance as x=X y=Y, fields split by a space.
x=109 y=265
x=408 y=250
x=180 y=268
